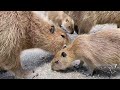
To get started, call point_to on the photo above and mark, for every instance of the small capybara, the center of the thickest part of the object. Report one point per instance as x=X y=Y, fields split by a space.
x=21 y=30
x=61 y=19
x=85 y=20
x=98 y=49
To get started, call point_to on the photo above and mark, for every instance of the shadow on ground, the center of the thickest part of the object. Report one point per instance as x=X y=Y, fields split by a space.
x=98 y=72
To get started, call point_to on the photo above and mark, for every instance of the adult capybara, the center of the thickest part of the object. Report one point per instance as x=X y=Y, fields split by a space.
x=21 y=30
x=85 y=20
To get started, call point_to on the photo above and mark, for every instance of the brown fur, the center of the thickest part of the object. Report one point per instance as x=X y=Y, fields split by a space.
x=98 y=49
x=61 y=19
x=21 y=30
x=85 y=20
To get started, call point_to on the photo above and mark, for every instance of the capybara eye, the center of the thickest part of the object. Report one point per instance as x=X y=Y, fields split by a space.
x=63 y=54
x=63 y=36
x=69 y=27
x=60 y=25
x=52 y=30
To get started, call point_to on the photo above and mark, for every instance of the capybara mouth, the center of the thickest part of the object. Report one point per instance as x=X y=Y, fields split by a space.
x=70 y=69
x=72 y=32
x=65 y=29
x=62 y=71
x=58 y=70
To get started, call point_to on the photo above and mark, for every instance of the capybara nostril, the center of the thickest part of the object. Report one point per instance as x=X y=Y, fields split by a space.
x=56 y=62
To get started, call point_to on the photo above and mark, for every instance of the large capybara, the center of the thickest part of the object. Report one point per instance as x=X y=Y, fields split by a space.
x=61 y=19
x=85 y=20
x=98 y=49
x=21 y=30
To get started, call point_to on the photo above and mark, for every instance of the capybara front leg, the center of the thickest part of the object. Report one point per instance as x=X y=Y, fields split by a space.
x=20 y=72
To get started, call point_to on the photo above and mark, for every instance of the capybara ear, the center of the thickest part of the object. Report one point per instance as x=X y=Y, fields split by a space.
x=52 y=30
x=63 y=54
x=67 y=20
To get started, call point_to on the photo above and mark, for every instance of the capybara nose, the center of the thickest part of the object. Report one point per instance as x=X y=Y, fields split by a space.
x=57 y=62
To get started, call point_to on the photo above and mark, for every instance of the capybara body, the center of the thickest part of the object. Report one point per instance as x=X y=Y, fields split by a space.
x=98 y=49
x=85 y=20
x=100 y=27
x=61 y=19
x=21 y=30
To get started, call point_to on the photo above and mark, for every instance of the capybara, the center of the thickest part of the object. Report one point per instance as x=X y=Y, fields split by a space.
x=21 y=30
x=98 y=49
x=85 y=20
x=61 y=19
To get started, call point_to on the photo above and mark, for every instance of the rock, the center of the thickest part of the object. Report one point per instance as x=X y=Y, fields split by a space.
x=32 y=58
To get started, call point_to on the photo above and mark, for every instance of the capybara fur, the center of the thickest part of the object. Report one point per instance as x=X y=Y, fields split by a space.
x=100 y=27
x=98 y=49
x=61 y=19
x=21 y=30
x=85 y=20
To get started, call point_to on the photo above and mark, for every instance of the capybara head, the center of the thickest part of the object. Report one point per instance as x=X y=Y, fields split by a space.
x=48 y=36
x=62 y=60
x=68 y=25
x=58 y=39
